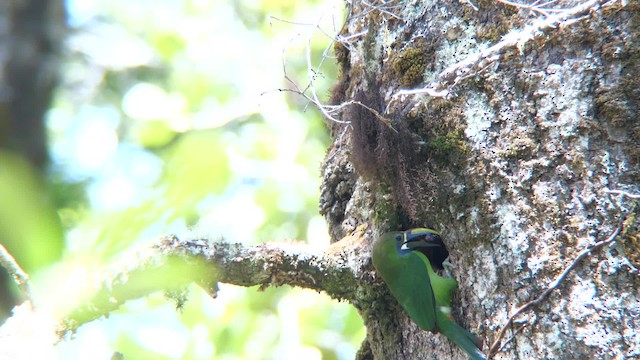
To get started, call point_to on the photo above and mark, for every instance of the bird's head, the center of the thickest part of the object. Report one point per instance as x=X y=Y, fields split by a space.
x=424 y=240
x=428 y=242
x=387 y=243
x=420 y=238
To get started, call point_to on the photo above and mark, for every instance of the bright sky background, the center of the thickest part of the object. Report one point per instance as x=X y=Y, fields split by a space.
x=138 y=74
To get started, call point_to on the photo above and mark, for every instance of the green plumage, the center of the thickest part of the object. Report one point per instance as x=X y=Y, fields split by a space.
x=403 y=261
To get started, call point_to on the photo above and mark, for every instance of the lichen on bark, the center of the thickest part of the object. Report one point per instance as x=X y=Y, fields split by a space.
x=513 y=165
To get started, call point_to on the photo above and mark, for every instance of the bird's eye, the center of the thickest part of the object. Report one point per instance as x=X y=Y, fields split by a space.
x=398 y=238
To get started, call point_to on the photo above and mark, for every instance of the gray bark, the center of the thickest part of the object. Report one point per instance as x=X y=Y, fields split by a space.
x=511 y=154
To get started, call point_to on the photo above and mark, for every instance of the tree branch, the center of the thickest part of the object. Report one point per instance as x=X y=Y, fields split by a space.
x=172 y=264
x=624 y=193
x=19 y=276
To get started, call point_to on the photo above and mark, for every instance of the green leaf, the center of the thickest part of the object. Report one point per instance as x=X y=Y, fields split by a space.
x=29 y=225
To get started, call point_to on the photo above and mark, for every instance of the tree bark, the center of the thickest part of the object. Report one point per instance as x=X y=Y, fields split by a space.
x=31 y=33
x=30 y=39
x=506 y=128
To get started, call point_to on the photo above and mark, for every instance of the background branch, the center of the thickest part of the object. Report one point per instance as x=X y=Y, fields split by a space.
x=19 y=276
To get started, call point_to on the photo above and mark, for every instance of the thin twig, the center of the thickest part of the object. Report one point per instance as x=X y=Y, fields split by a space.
x=552 y=286
x=471 y=4
x=382 y=9
x=19 y=276
x=515 y=333
x=308 y=92
x=624 y=193
x=535 y=7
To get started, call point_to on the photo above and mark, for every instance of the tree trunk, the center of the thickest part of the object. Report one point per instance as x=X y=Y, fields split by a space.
x=30 y=41
x=31 y=33
x=510 y=146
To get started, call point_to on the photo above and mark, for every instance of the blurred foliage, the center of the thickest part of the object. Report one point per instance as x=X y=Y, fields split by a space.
x=169 y=120
x=27 y=215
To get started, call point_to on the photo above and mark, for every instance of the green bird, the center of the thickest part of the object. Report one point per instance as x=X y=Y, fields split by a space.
x=404 y=260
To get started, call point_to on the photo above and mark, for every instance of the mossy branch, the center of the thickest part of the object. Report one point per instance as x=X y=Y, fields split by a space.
x=171 y=264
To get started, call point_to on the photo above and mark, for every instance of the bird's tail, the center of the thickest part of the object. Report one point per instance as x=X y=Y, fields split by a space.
x=470 y=343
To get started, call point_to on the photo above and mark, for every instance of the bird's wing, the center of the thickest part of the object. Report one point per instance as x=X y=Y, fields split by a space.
x=412 y=289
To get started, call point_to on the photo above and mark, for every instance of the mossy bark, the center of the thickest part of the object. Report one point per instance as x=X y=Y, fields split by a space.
x=513 y=166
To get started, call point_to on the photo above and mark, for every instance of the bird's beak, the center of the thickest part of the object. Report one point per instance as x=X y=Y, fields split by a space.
x=421 y=238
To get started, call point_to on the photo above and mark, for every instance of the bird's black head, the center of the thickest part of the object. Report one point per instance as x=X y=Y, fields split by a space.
x=429 y=243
